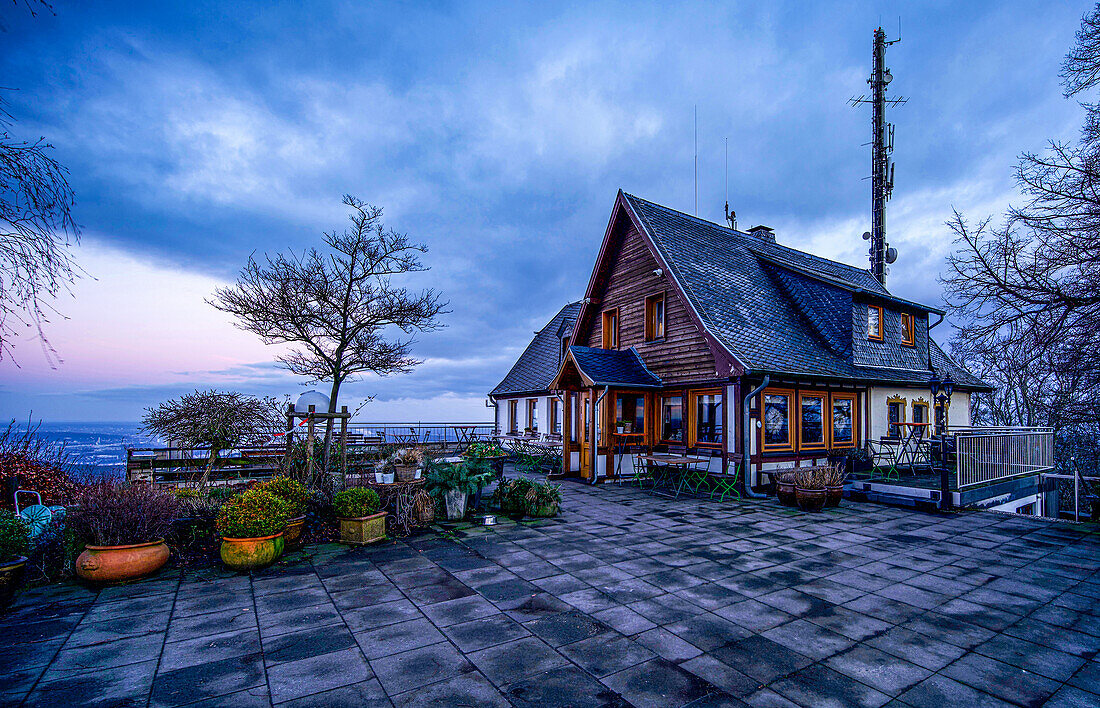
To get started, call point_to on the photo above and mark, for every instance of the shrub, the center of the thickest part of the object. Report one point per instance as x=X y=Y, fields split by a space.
x=38 y=464
x=408 y=457
x=113 y=514
x=481 y=450
x=515 y=494
x=290 y=490
x=466 y=477
x=15 y=537
x=356 y=503
x=547 y=494
x=253 y=514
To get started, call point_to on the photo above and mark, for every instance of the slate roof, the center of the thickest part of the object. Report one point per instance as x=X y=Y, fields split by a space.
x=614 y=367
x=538 y=364
x=783 y=311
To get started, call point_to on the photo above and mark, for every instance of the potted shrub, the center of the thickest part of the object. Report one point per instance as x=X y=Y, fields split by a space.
x=123 y=528
x=784 y=486
x=834 y=485
x=251 y=526
x=297 y=496
x=15 y=537
x=809 y=487
x=490 y=452
x=360 y=521
x=454 y=483
x=515 y=496
x=547 y=500
x=406 y=463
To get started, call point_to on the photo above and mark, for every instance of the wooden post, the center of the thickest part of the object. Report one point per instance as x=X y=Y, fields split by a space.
x=289 y=458
x=309 y=444
x=566 y=432
x=343 y=446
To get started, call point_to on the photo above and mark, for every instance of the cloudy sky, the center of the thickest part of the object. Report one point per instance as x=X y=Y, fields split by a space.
x=198 y=133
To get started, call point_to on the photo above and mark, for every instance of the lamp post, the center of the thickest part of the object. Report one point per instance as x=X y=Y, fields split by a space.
x=941 y=390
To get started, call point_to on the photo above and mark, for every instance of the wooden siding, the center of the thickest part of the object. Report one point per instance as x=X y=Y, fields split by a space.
x=625 y=281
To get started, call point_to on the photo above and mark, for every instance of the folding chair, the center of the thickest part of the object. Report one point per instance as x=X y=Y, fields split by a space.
x=726 y=484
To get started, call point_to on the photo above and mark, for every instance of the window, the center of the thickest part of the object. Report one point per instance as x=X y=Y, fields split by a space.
x=777 y=420
x=908 y=335
x=513 y=417
x=895 y=414
x=533 y=414
x=564 y=348
x=655 y=317
x=844 y=420
x=920 y=412
x=555 y=416
x=611 y=329
x=874 y=322
x=672 y=419
x=811 y=421
x=707 y=426
x=630 y=413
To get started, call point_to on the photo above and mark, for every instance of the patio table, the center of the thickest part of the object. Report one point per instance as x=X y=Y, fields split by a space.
x=674 y=464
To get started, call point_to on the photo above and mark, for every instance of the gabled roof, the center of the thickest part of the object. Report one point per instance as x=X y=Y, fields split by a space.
x=622 y=368
x=775 y=309
x=540 y=361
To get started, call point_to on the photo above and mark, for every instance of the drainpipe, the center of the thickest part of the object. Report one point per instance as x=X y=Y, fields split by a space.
x=595 y=434
x=745 y=456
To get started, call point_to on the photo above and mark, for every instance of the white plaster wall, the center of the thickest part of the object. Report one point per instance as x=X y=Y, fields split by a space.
x=1016 y=504
x=958 y=409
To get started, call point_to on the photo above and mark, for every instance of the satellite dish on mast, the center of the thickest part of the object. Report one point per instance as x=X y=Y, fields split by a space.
x=891 y=255
x=866 y=235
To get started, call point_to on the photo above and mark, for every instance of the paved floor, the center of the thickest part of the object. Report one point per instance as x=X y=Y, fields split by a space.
x=626 y=599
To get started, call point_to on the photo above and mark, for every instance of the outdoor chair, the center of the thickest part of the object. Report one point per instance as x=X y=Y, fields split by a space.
x=884 y=455
x=726 y=484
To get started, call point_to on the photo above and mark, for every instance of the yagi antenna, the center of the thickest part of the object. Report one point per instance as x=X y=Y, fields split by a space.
x=697 y=159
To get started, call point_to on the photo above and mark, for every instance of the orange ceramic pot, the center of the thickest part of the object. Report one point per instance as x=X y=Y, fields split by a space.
x=292 y=536
x=111 y=564
x=251 y=553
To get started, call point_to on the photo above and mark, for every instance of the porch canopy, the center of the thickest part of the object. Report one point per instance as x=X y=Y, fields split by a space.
x=587 y=367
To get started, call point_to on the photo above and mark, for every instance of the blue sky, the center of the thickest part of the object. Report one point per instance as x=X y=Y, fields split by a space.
x=198 y=133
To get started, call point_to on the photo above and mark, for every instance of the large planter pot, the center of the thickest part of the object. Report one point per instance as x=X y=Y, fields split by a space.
x=251 y=553
x=810 y=499
x=112 y=564
x=544 y=512
x=405 y=473
x=455 y=501
x=784 y=492
x=11 y=574
x=833 y=495
x=292 y=536
x=363 y=530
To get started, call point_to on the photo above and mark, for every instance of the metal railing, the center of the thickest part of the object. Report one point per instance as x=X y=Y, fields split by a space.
x=985 y=455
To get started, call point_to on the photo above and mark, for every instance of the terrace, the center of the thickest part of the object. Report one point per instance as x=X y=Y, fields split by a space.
x=627 y=598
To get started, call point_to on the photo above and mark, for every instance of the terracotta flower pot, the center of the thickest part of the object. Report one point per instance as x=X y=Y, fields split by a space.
x=111 y=564
x=405 y=473
x=11 y=574
x=363 y=530
x=292 y=536
x=784 y=492
x=834 y=495
x=251 y=553
x=810 y=499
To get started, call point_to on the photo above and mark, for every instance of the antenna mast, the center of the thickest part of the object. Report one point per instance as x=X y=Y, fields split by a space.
x=882 y=144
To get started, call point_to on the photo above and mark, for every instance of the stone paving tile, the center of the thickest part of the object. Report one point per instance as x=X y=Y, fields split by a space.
x=507 y=663
x=317 y=674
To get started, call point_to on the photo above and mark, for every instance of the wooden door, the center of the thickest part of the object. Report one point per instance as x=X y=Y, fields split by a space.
x=585 y=431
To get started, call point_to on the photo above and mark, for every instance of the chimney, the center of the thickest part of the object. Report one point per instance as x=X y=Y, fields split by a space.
x=764 y=233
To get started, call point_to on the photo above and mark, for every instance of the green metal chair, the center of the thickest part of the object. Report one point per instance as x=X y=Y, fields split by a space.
x=726 y=484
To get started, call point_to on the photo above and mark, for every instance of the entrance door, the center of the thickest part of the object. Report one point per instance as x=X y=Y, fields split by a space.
x=584 y=432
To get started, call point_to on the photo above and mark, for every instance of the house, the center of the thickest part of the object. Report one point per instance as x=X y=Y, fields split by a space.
x=694 y=334
x=523 y=400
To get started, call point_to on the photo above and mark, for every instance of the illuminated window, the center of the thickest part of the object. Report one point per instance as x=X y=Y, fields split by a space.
x=811 y=421
x=874 y=322
x=672 y=419
x=908 y=336
x=655 y=317
x=777 y=420
x=611 y=329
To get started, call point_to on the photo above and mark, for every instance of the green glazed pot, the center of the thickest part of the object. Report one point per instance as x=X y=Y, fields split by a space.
x=251 y=553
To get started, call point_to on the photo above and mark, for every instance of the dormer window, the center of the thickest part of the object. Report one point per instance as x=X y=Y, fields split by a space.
x=874 y=322
x=908 y=334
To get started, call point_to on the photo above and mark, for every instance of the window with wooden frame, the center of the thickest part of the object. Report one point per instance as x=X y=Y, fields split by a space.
x=672 y=419
x=895 y=414
x=844 y=427
x=611 y=329
x=920 y=411
x=555 y=416
x=908 y=333
x=777 y=414
x=533 y=414
x=874 y=322
x=630 y=413
x=812 y=433
x=513 y=417
x=706 y=422
x=655 y=317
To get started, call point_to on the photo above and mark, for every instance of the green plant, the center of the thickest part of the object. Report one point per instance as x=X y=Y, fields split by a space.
x=466 y=477
x=110 y=513
x=15 y=537
x=253 y=514
x=547 y=494
x=290 y=490
x=515 y=494
x=482 y=450
x=356 y=503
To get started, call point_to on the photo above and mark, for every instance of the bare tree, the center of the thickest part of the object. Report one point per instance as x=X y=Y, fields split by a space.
x=216 y=420
x=338 y=308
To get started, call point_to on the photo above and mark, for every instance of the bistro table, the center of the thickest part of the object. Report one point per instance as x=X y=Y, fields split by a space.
x=679 y=463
